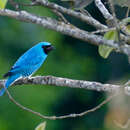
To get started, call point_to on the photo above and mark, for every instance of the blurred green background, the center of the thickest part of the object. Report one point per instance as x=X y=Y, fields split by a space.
x=72 y=59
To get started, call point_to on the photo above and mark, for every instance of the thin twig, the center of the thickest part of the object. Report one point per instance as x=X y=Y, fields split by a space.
x=22 y=4
x=53 y=10
x=59 y=117
x=60 y=15
x=70 y=12
x=103 y=30
x=116 y=24
x=125 y=126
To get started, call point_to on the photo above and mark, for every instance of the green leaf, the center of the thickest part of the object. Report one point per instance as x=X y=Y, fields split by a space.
x=125 y=21
x=105 y=50
x=128 y=29
x=41 y=126
x=3 y=4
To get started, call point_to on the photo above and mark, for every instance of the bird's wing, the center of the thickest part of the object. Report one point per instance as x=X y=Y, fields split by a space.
x=24 y=65
x=27 y=63
x=28 y=57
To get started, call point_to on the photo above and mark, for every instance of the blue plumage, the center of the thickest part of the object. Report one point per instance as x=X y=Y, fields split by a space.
x=28 y=63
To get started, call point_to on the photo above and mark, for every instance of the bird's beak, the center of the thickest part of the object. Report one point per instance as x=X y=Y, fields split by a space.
x=50 y=48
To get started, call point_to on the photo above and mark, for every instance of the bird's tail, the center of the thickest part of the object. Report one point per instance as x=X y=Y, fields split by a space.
x=9 y=81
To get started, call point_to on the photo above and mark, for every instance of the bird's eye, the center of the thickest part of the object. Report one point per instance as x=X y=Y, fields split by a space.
x=47 y=48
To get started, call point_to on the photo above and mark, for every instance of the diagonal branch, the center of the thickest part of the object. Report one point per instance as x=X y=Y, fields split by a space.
x=64 y=29
x=103 y=10
x=66 y=82
x=70 y=12
x=110 y=19
x=88 y=19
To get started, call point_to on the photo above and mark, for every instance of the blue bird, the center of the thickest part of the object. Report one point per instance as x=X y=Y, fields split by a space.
x=28 y=63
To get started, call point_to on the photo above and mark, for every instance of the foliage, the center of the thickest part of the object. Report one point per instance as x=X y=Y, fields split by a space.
x=41 y=126
x=104 y=50
x=3 y=4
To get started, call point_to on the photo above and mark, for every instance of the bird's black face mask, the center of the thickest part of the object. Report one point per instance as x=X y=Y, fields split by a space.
x=47 y=48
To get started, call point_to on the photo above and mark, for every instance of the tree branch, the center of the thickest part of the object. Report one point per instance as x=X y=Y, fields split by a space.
x=103 y=10
x=89 y=20
x=66 y=82
x=65 y=29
